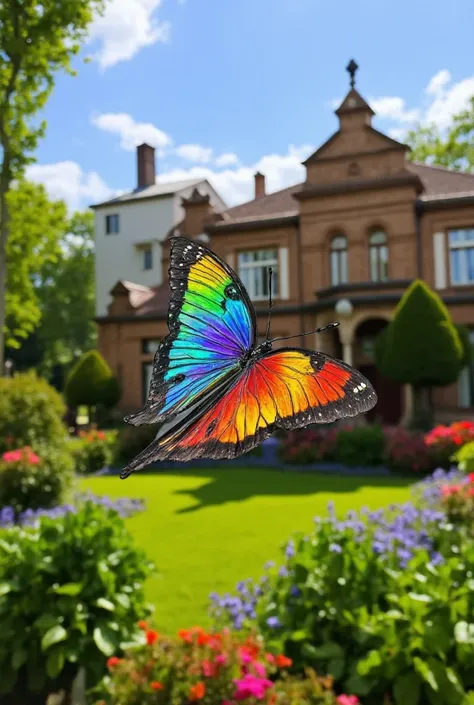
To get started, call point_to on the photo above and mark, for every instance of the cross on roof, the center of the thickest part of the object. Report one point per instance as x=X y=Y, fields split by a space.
x=351 y=68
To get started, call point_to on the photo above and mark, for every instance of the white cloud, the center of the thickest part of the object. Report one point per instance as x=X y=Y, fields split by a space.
x=67 y=181
x=393 y=108
x=227 y=159
x=131 y=133
x=449 y=102
x=237 y=185
x=438 y=82
x=398 y=133
x=125 y=27
x=195 y=153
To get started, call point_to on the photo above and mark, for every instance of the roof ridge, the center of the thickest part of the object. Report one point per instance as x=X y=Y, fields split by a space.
x=442 y=168
x=261 y=198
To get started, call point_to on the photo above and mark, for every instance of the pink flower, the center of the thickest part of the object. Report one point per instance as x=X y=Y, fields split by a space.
x=33 y=459
x=221 y=659
x=259 y=669
x=347 y=700
x=12 y=456
x=252 y=687
x=245 y=654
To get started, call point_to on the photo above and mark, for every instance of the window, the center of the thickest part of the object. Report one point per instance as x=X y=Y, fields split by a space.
x=461 y=256
x=253 y=270
x=378 y=256
x=466 y=382
x=147 y=258
x=147 y=370
x=112 y=224
x=150 y=346
x=339 y=260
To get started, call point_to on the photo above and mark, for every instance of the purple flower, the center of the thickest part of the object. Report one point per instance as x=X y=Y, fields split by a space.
x=290 y=549
x=268 y=565
x=273 y=622
x=335 y=548
x=294 y=591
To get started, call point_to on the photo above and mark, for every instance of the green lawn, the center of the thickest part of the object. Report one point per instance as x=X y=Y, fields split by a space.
x=206 y=530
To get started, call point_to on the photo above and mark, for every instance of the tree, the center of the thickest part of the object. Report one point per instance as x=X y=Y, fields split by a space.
x=67 y=294
x=421 y=347
x=452 y=148
x=36 y=40
x=37 y=225
x=91 y=383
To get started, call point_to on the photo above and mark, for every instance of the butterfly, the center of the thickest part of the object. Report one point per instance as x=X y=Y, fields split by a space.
x=215 y=391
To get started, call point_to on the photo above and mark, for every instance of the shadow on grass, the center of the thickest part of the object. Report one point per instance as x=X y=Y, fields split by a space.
x=240 y=484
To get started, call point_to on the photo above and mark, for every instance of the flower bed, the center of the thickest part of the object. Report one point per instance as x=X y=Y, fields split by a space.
x=380 y=600
x=217 y=668
x=395 y=448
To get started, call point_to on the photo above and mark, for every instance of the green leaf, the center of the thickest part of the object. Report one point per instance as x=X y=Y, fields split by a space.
x=123 y=600
x=69 y=589
x=330 y=650
x=358 y=685
x=366 y=665
x=105 y=640
x=335 y=668
x=464 y=633
x=406 y=689
x=55 y=662
x=19 y=657
x=420 y=597
x=53 y=636
x=426 y=673
x=5 y=588
x=105 y=604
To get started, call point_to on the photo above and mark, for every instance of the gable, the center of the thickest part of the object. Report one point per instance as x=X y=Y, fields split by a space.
x=354 y=142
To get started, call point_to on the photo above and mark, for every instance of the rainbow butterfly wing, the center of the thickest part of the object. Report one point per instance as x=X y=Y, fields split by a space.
x=212 y=324
x=287 y=388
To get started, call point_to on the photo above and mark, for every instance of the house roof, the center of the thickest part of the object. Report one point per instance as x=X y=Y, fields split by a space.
x=168 y=188
x=438 y=183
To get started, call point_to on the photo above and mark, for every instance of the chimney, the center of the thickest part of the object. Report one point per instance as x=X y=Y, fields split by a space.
x=145 y=166
x=259 y=185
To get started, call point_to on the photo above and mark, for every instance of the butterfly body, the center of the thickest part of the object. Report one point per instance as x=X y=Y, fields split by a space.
x=217 y=393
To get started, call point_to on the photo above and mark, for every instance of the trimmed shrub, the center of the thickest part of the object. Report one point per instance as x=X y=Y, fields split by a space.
x=35 y=480
x=309 y=445
x=132 y=440
x=362 y=446
x=31 y=413
x=76 y=585
x=94 y=451
x=91 y=382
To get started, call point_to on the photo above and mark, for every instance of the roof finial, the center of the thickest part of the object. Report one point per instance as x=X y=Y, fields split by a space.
x=352 y=68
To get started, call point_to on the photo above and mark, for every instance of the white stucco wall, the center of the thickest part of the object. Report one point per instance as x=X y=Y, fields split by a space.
x=117 y=257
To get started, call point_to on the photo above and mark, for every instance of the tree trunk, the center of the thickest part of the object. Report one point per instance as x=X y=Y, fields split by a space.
x=422 y=415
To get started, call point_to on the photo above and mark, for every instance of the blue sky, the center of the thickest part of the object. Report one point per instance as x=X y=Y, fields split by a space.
x=225 y=87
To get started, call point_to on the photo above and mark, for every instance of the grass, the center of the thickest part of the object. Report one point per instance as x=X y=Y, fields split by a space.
x=206 y=530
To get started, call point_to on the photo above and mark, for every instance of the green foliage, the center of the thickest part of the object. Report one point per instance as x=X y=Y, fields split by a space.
x=363 y=446
x=89 y=382
x=31 y=413
x=453 y=148
x=67 y=294
x=94 y=451
x=25 y=485
x=464 y=457
x=377 y=623
x=468 y=349
x=71 y=592
x=36 y=226
x=132 y=440
x=420 y=346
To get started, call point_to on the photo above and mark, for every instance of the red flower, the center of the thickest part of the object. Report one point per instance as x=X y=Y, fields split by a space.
x=142 y=624
x=347 y=700
x=156 y=685
x=283 y=661
x=471 y=477
x=113 y=661
x=185 y=635
x=151 y=637
x=270 y=658
x=208 y=669
x=221 y=659
x=198 y=691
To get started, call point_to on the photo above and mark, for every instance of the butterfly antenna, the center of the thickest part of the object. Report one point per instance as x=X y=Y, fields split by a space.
x=270 y=301
x=310 y=332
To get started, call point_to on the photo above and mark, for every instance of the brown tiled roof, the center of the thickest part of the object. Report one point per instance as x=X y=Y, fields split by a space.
x=156 y=304
x=440 y=182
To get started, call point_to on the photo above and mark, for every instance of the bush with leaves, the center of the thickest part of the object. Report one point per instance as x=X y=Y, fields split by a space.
x=94 y=451
x=132 y=440
x=71 y=593
x=31 y=413
x=215 y=667
x=91 y=382
x=362 y=446
x=464 y=457
x=30 y=480
x=382 y=601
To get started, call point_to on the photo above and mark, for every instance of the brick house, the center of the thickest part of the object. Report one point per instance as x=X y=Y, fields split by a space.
x=345 y=244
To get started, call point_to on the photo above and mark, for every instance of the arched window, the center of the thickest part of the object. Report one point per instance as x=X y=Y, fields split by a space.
x=378 y=256
x=339 y=260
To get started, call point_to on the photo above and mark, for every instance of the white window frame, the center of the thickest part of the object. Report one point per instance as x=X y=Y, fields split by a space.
x=378 y=256
x=461 y=245
x=253 y=265
x=112 y=224
x=338 y=260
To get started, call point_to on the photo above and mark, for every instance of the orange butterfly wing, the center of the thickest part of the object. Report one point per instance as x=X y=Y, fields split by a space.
x=287 y=388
